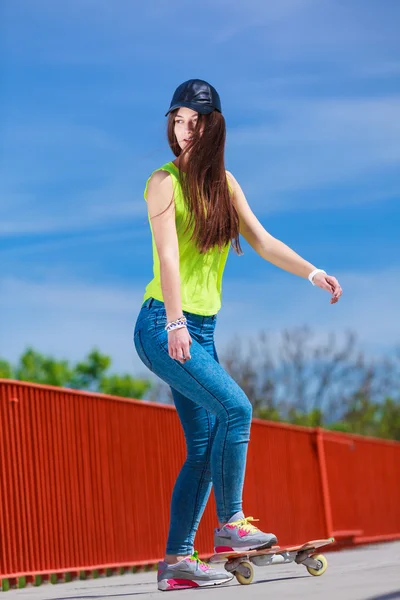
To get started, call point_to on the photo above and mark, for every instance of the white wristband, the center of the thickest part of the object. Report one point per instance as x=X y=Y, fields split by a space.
x=175 y=327
x=313 y=273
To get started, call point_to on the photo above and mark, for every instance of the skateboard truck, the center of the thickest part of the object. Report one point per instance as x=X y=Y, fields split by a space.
x=240 y=563
x=304 y=558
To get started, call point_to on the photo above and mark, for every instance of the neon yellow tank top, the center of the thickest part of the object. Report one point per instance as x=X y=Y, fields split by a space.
x=200 y=274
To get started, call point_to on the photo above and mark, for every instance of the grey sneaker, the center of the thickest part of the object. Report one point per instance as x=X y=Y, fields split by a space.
x=189 y=573
x=239 y=534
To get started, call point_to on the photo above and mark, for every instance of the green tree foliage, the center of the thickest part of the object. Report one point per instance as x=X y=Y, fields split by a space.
x=306 y=379
x=91 y=374
x=389 y=421
x=5 y=370
x=38 y=368
x=301 y=379
x=378 y=419
x=124 y=385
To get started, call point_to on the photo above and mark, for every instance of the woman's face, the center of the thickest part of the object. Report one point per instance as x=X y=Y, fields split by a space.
x=185 y=125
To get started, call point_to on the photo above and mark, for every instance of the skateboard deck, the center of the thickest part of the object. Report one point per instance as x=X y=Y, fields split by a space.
x=230 y=555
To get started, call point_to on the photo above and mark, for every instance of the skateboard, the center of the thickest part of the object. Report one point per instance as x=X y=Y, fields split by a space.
x=239 y=563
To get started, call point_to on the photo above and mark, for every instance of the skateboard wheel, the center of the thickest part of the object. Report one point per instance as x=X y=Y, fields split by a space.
x=324 y=565
x=246 y=576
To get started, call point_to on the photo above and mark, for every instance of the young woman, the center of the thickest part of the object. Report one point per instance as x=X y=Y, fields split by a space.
x=196 y=212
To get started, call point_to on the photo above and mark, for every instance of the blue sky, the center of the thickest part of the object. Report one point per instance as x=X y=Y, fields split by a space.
x=310 y=91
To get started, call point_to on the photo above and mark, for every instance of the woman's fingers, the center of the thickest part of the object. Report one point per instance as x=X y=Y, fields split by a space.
x=335 y=288
x=173 y=349
x=179 y=350
x=186 y=353
x=329 y=283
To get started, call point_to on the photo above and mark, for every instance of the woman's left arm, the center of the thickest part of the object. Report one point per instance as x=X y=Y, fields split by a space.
x=275 y=251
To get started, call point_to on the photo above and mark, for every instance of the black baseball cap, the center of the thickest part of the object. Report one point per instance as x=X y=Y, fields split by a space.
x=197 y=95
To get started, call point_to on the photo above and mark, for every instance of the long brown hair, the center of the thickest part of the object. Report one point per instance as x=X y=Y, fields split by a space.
x=211 y=212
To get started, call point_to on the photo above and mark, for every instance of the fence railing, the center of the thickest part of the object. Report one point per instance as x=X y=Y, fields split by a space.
x=86 y=481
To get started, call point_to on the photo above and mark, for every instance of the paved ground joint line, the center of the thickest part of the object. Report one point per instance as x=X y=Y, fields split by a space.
x=366 y=573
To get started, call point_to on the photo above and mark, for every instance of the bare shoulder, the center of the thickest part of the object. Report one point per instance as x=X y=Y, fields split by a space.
x=231 y=179
x=238 y=197
x=230 y=176
x=160 y=195
x=160 y=182
x=248 y=220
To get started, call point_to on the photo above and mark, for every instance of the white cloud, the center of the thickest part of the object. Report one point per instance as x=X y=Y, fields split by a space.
x=369 y=306
x=295 y=144
x=77 y=177
x=288 y=30
x=317 y=142
x=77 y=212
x=50 y=150
x=119 y=238
x=382 y=69
x=309 y=144
x=241 y=16
x=67 y=318
x=316 y=30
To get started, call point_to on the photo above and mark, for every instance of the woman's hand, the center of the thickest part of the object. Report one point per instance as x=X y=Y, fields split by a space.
x=179 y=342
x=329 y=283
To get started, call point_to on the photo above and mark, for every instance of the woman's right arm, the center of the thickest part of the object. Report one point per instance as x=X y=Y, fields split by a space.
x=162 y=214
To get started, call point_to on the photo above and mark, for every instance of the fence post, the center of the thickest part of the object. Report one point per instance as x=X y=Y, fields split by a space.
x=319 y=434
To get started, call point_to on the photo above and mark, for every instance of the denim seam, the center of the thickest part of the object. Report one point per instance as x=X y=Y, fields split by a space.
x=164 y=351
x=222 y=470
x=203 y=472
x=139 y=337
x=202 y=326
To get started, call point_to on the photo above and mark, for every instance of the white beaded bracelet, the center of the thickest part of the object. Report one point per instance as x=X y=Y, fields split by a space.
x=177 y=324
x=174 y=327
x=313 y=273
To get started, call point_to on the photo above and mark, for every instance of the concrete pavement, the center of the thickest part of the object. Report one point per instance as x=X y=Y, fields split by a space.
x=367 y=573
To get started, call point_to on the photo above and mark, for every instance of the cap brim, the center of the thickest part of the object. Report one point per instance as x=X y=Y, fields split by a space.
x=200 y=108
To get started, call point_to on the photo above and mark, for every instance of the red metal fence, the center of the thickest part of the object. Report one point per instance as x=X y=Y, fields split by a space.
x=364 y=487
x=86 y=481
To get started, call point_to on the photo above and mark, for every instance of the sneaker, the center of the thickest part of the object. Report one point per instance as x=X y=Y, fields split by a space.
x=189 y=573
x=240 y=535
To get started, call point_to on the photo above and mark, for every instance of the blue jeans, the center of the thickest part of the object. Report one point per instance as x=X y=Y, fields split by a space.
x=215 y=414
